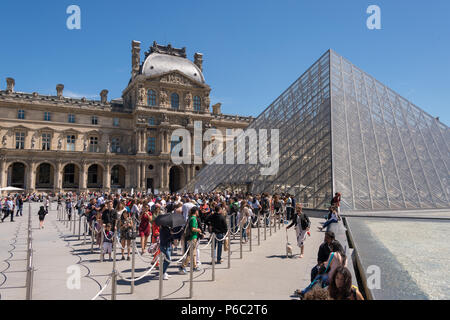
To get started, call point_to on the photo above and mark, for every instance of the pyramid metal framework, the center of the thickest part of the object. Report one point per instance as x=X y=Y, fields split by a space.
x=341 y=130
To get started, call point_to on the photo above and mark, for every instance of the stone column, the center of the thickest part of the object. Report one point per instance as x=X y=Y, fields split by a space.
x=128 y=177
x=189 y=173
x=83 y=174
x=144 y=141
x=166 y=176
x=165 y=141
x=107 y=176
x=58 y=177
x=143 y=182
x=138 y=175
x=31 y=176
x=161 y=142
x=138 y=141
x=161 y=176
x=3 y=173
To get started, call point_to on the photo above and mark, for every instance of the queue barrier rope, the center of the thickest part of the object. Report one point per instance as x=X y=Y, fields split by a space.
x=179 y=260
x=103 y=289
x=141 y=277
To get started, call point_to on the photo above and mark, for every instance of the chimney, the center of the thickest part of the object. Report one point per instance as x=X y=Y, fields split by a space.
x=216 y=108
x=198 y=60
x=10 y=83
x=135 y=57
x=59 y=90
x=104 y=96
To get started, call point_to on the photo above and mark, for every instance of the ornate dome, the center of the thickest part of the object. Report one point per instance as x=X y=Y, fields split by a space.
x=159 y=63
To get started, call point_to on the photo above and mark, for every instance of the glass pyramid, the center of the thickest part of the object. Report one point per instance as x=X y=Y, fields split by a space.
x=340 y=130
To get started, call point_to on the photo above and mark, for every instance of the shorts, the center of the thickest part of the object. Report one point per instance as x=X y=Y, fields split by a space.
x=301 y=236
x=107 y=247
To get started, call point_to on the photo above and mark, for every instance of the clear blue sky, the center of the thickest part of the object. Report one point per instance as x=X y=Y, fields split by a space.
x=253 y=50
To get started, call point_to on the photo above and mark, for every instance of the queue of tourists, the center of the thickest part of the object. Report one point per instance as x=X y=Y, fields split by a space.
x=131 y=216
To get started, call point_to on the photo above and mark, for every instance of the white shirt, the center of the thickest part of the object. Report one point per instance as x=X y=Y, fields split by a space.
x=186 y=208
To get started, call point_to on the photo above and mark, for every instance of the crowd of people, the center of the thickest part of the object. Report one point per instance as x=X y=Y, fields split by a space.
x=129 y=216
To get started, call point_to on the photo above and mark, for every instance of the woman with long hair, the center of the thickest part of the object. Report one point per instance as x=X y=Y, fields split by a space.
x=341 y=288
x=125 y=227
x=155 y=230
x=42 y=212
x=336 y=259
x=144 y=227
x=245 y=215
x=302 y=224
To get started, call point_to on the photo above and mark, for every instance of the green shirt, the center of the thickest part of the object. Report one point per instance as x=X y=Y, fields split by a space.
x=193 y=223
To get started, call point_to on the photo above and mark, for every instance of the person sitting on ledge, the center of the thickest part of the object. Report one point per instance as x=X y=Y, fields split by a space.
x=333 y=219
x=341 y=288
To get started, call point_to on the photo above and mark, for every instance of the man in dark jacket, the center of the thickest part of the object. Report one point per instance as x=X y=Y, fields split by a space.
x=324 y=253
x=165 y=241
x=219 y=228
x=109 y=215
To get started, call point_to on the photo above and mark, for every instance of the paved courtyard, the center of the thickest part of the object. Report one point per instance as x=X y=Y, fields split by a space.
x=264 y=273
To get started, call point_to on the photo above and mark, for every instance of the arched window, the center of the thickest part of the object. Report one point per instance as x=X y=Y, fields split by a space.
x=151 y=98
x=175 y=100
x=197 y=103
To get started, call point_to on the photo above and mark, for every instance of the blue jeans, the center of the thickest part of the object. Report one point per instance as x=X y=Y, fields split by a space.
x=244 y=231
x=218 y=245
x=329 y=222
x=323 y=278
x=167 y=252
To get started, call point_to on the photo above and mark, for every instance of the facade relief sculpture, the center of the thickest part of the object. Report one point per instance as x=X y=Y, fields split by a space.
x=188 y=101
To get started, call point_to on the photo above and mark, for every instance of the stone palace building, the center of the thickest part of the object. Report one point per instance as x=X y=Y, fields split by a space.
x=61 y=144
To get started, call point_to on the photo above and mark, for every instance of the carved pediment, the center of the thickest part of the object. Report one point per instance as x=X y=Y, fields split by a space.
x=19 y=128
x=178 y=78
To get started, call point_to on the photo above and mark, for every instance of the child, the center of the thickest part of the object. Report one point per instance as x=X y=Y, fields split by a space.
x=107 y=241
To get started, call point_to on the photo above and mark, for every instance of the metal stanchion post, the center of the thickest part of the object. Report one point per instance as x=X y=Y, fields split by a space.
x=191 y=276
x=270 y=224
x=79 y=227
x=250 y=235
x=229 y=248
x=213 y=260
x=114 y=272
x=102 y=238
x=84 y=230
x=240 y=243
x=281 y=220
x=74 y=223
x=265 y=227
x=275 y=223
x=133 y=257
x=259 y=229
x=233 y=224
x=29 y=277
x=92 y=236
x=161 y=261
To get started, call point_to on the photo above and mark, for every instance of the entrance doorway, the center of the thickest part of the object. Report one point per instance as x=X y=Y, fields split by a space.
x=176 y=179
x=150 y=185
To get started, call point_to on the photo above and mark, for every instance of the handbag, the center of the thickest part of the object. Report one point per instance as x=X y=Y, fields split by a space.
x=153 y=248
x=130 y=234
